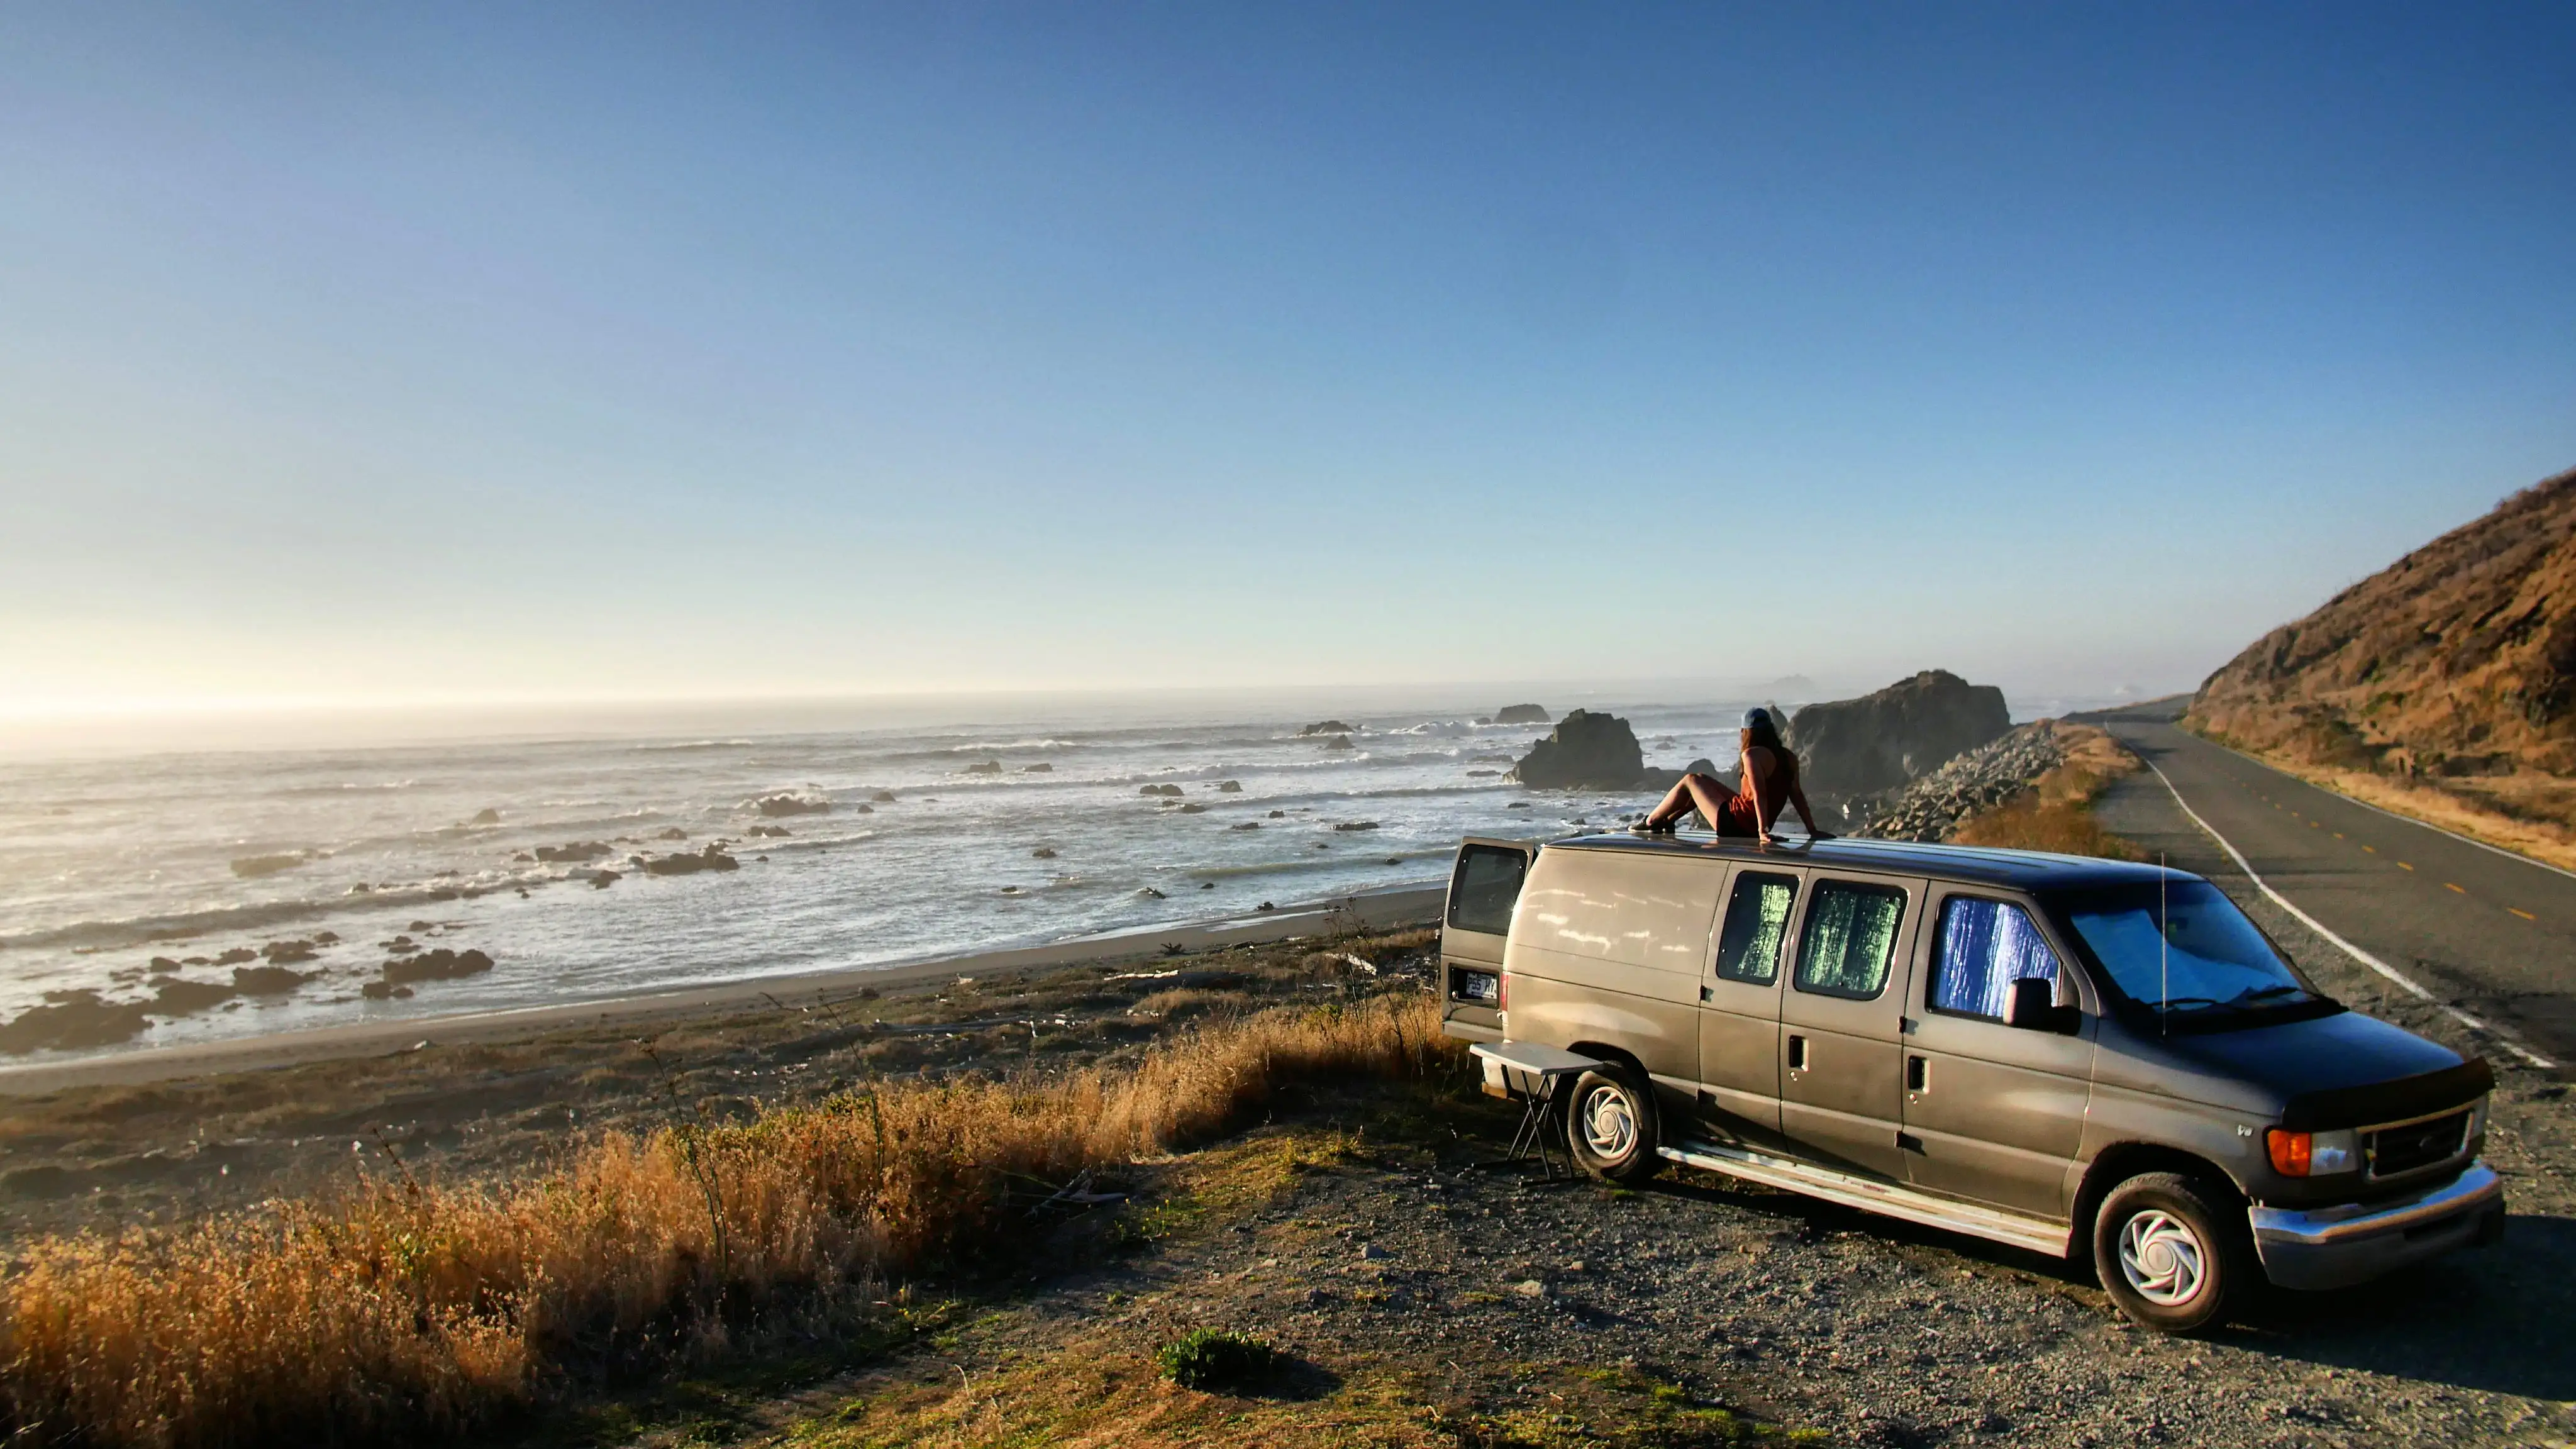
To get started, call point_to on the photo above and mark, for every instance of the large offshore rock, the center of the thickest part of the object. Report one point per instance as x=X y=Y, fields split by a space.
x=1588 y=751
x=1521 y=714
x=1848 y=747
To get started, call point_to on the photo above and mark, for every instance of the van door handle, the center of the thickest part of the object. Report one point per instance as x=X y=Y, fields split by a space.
x=1918 y=1074
x=1797 y=1053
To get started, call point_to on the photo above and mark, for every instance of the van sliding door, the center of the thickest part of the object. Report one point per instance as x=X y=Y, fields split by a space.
x=1842 y=1094
x=1739 y=1011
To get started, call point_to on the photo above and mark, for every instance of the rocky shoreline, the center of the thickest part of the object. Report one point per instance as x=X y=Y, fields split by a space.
x=1928 y=810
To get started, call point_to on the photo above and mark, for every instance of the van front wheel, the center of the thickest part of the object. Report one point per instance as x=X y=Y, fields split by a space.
x=1610 y=1124
x=2169 y=1254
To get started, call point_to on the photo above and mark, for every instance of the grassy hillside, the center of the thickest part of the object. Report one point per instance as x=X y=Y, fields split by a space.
x=2444 y=685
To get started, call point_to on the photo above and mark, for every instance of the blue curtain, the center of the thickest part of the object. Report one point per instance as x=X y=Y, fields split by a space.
x=1986 y=946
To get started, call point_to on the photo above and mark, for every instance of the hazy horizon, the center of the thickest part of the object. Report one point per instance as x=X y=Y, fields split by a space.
x=253 y=726
x=381 y=362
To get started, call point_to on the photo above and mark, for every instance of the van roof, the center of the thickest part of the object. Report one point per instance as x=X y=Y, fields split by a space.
x=1985 y=865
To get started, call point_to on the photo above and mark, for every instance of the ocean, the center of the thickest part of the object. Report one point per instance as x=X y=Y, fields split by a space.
x=370 y=855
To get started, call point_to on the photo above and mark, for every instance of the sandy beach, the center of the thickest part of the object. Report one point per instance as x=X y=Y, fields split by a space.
x=154 y=1137
x=1382 y=908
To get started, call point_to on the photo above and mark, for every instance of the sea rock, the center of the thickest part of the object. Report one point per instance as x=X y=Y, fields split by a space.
x=248 y=866
x=175 y=997
x=1043 y=852
x=883 y=797
x=1483 y=774
x=985 y=767
x=1854 y=747
x=1229 y=787
x=1521 y=714
x=767 y=832
x=1357 y=825
x=863 y=808
x=439 y=965
x=1172 y=791
x=1040 y=768
x=236 y=956
x=1588 y=751
x=684 y=863
x=1278 y=814
x=268 y=980
x=1193 y=808
x=785 y=804
x=576 y=852
x=485 y=816
x=71 y=1020
x=1326 y=727
x=1246 y=825
x=601 y=880
x=284 y=953
x=1150 y=893
x=164 y=963
x=674 y=833
x=1338 y=742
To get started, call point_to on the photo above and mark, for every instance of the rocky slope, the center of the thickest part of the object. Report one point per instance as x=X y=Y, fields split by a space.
x=1853 y=747
x=2457 y=663
x=1930 y=808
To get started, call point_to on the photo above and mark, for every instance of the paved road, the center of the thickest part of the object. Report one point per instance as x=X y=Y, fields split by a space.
x=2492 y=935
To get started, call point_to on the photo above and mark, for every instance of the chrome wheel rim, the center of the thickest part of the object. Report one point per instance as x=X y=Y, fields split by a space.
x=1609 y=1123
x=2163 y=1259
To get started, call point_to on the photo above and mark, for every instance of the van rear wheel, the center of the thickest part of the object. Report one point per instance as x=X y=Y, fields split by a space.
x=2171 y=1257
x=1610 y=1124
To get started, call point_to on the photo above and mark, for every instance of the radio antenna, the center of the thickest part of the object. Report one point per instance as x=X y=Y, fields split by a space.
x=2164 y=954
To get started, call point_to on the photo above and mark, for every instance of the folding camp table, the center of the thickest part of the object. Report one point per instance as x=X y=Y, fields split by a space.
x=1533 y=1072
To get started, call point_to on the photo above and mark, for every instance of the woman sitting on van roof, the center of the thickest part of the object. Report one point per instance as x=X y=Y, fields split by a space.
x=1770 y=784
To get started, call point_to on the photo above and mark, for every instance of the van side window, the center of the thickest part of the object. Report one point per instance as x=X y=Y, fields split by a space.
x=1489 y=881
x=1850 y=939
x=1986 y=946
x=1757 y=922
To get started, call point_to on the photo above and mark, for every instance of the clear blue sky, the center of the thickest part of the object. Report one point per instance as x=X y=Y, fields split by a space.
x=377 y=353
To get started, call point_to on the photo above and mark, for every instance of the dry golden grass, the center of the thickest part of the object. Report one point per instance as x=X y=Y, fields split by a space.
x=2057 y=814
x=412 y=1310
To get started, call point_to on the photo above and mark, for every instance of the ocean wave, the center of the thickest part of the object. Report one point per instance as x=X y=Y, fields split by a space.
x=691 y=745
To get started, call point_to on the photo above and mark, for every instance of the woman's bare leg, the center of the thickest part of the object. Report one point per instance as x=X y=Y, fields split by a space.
x=1705 y=793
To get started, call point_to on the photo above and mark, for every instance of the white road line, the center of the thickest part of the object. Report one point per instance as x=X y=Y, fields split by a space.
x=2348 y=948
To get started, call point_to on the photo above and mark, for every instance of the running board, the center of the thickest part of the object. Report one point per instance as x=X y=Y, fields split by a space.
x=1885 y=1198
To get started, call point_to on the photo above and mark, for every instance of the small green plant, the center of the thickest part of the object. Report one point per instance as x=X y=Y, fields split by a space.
x=1213 y=1359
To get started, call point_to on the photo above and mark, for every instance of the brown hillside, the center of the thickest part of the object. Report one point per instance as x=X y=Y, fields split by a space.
x=2454 y=668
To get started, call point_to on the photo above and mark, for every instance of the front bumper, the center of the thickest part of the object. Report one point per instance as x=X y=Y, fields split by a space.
x=2332 y=1247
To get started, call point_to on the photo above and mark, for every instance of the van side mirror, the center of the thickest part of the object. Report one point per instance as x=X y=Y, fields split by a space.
x=2032 y=1006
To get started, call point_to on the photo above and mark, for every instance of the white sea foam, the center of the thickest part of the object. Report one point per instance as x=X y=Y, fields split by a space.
x=105 y=863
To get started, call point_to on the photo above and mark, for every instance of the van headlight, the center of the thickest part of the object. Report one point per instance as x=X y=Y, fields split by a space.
x=2313 y=1154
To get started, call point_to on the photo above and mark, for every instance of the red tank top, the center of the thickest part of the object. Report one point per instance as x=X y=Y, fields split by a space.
x=1740 y=818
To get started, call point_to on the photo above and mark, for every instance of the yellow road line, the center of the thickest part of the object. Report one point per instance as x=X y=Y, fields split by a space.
x=2446 y=885
x=2373 y=849
x=2401 y=865
x=2519 y=911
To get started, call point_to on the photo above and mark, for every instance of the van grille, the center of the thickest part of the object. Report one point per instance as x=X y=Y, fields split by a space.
x=2393 y=1150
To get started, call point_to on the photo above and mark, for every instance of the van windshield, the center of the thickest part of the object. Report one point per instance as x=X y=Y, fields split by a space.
x=2184 y=952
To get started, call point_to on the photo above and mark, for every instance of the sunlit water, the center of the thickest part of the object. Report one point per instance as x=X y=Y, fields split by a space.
x=107 y=863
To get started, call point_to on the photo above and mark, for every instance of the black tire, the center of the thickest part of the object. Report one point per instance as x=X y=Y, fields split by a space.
x=1610 y=1124
x=2171 y=1253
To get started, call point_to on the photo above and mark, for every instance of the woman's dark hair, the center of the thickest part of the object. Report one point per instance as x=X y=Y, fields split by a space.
x=1766 y=734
